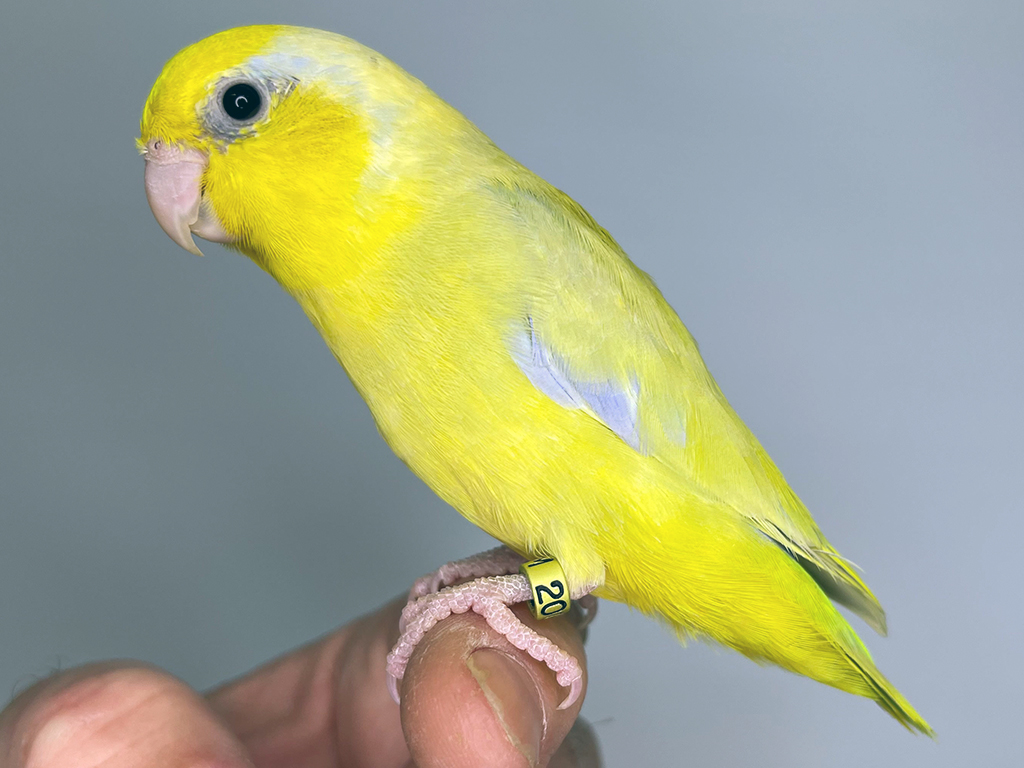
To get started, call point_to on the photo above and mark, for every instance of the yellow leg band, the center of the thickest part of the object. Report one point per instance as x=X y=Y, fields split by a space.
x=547 y=585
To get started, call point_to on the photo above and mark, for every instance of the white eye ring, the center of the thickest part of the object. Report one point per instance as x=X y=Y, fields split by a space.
x=231 y=107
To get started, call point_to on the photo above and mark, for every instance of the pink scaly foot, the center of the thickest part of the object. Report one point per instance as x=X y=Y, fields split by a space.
x=490 y=597
x=500 y=561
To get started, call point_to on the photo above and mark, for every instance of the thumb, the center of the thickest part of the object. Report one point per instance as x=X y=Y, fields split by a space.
x=470 y=698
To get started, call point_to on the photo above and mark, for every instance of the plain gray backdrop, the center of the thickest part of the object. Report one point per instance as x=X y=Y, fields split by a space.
x=830 y=195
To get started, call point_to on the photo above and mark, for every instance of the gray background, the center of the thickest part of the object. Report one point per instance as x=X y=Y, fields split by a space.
x=831 y=199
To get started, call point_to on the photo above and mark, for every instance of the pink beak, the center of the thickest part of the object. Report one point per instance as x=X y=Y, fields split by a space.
x=173 y=189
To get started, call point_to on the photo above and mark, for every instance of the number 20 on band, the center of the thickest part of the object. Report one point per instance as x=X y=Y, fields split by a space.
x=547 y=587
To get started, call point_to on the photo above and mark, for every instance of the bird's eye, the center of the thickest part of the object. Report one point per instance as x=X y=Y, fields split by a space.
x=241 y=101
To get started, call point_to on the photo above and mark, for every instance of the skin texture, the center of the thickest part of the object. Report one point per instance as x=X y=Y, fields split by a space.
x=471 y=699
x=510 y=352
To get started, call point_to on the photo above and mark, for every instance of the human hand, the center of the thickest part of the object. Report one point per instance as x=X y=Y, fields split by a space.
x=469 y=699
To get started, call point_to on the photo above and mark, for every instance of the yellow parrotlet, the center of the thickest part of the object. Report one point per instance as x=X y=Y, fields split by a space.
x=510 y=352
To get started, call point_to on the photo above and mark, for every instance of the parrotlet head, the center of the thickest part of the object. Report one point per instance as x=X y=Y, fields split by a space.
x=246 y=127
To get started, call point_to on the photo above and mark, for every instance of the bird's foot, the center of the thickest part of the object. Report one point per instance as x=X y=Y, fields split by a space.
x=500 y=561
x=490 y=597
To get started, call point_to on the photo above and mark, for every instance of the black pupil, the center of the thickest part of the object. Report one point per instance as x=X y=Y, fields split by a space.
x=241 y=101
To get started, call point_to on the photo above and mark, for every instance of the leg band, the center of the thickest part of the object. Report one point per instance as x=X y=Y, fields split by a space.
x=549 y=595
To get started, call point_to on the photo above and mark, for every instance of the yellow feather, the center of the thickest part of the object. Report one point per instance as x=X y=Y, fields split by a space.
x=422 y=252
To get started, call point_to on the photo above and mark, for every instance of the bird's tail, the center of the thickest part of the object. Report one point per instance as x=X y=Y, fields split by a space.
x=713 y=578
x=885 y=693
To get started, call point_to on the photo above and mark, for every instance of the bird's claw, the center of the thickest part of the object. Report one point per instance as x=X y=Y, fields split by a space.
x=490 y=597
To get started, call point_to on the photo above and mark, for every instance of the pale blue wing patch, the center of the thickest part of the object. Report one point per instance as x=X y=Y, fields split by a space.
x=534 y=360
x=616 y=407
x=610 y=403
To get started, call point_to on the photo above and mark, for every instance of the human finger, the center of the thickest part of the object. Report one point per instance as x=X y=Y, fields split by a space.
x=115 y=714
x=579 y=750
x=325 y=704
x=470 y=698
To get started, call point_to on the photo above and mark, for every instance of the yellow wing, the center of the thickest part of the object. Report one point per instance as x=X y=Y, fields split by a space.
x=599 y=336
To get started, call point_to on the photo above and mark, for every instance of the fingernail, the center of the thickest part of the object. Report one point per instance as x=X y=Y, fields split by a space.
x=513 y=697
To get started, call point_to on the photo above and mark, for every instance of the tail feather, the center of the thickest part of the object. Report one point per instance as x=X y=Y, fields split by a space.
x=890 y=699
x=834 y=574
x=841 y=583
x=710 y=574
